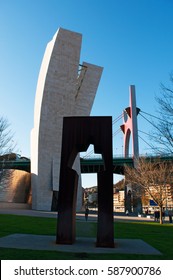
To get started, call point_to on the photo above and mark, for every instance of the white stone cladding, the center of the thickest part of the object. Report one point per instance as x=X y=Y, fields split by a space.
x=62 y=90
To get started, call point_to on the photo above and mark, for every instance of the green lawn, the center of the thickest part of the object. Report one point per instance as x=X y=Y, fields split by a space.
x=158 y=236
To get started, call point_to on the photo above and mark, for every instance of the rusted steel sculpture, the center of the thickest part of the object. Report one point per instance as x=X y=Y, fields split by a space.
x=78 y=134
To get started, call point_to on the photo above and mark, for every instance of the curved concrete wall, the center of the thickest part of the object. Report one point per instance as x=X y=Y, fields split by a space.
x=62 y=90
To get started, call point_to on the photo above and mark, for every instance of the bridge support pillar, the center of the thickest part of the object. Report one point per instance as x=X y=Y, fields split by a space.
x=130 y=127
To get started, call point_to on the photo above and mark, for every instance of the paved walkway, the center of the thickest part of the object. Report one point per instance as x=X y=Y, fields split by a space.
x=79 y=216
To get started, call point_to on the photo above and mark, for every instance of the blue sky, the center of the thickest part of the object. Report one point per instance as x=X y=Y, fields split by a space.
x=131 y=39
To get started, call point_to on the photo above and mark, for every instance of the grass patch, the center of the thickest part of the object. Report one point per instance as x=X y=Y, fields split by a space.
x=158 y=236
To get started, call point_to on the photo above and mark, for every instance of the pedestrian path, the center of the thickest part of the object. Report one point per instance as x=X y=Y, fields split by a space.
x=79 y=216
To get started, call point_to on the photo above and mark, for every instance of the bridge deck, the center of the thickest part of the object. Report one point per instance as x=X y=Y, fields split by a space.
x=93 y=165
x=88 y=165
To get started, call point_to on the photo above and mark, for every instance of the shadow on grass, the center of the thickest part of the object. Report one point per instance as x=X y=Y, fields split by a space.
x=156 y=235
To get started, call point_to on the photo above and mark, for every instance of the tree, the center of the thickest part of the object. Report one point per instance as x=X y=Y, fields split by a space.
x=6 y=147
x=6 y=137
x=163 y=133
x=151 y=177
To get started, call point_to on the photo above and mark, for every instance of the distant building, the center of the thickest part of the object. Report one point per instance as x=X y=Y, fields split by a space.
x=118 y=201
x=151 y=206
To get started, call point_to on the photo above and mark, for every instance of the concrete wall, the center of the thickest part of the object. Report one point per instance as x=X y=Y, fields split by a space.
x=63 y=89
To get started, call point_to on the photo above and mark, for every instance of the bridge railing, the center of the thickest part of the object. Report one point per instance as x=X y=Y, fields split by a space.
x=120 y=156
x=15 y=164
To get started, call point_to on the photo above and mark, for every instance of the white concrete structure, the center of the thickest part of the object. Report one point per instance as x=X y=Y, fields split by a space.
x=65 y=88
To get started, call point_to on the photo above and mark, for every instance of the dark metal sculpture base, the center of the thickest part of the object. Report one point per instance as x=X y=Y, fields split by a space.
x=78 y=134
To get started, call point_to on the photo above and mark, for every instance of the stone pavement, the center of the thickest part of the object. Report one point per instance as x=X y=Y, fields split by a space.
x=87 y=245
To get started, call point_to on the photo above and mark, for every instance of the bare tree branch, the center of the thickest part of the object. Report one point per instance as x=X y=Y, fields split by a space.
x=7 y=144
x=163 y=132
x=152 y=178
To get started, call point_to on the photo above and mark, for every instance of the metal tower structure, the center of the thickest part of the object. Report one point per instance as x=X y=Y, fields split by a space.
x=130 y=125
